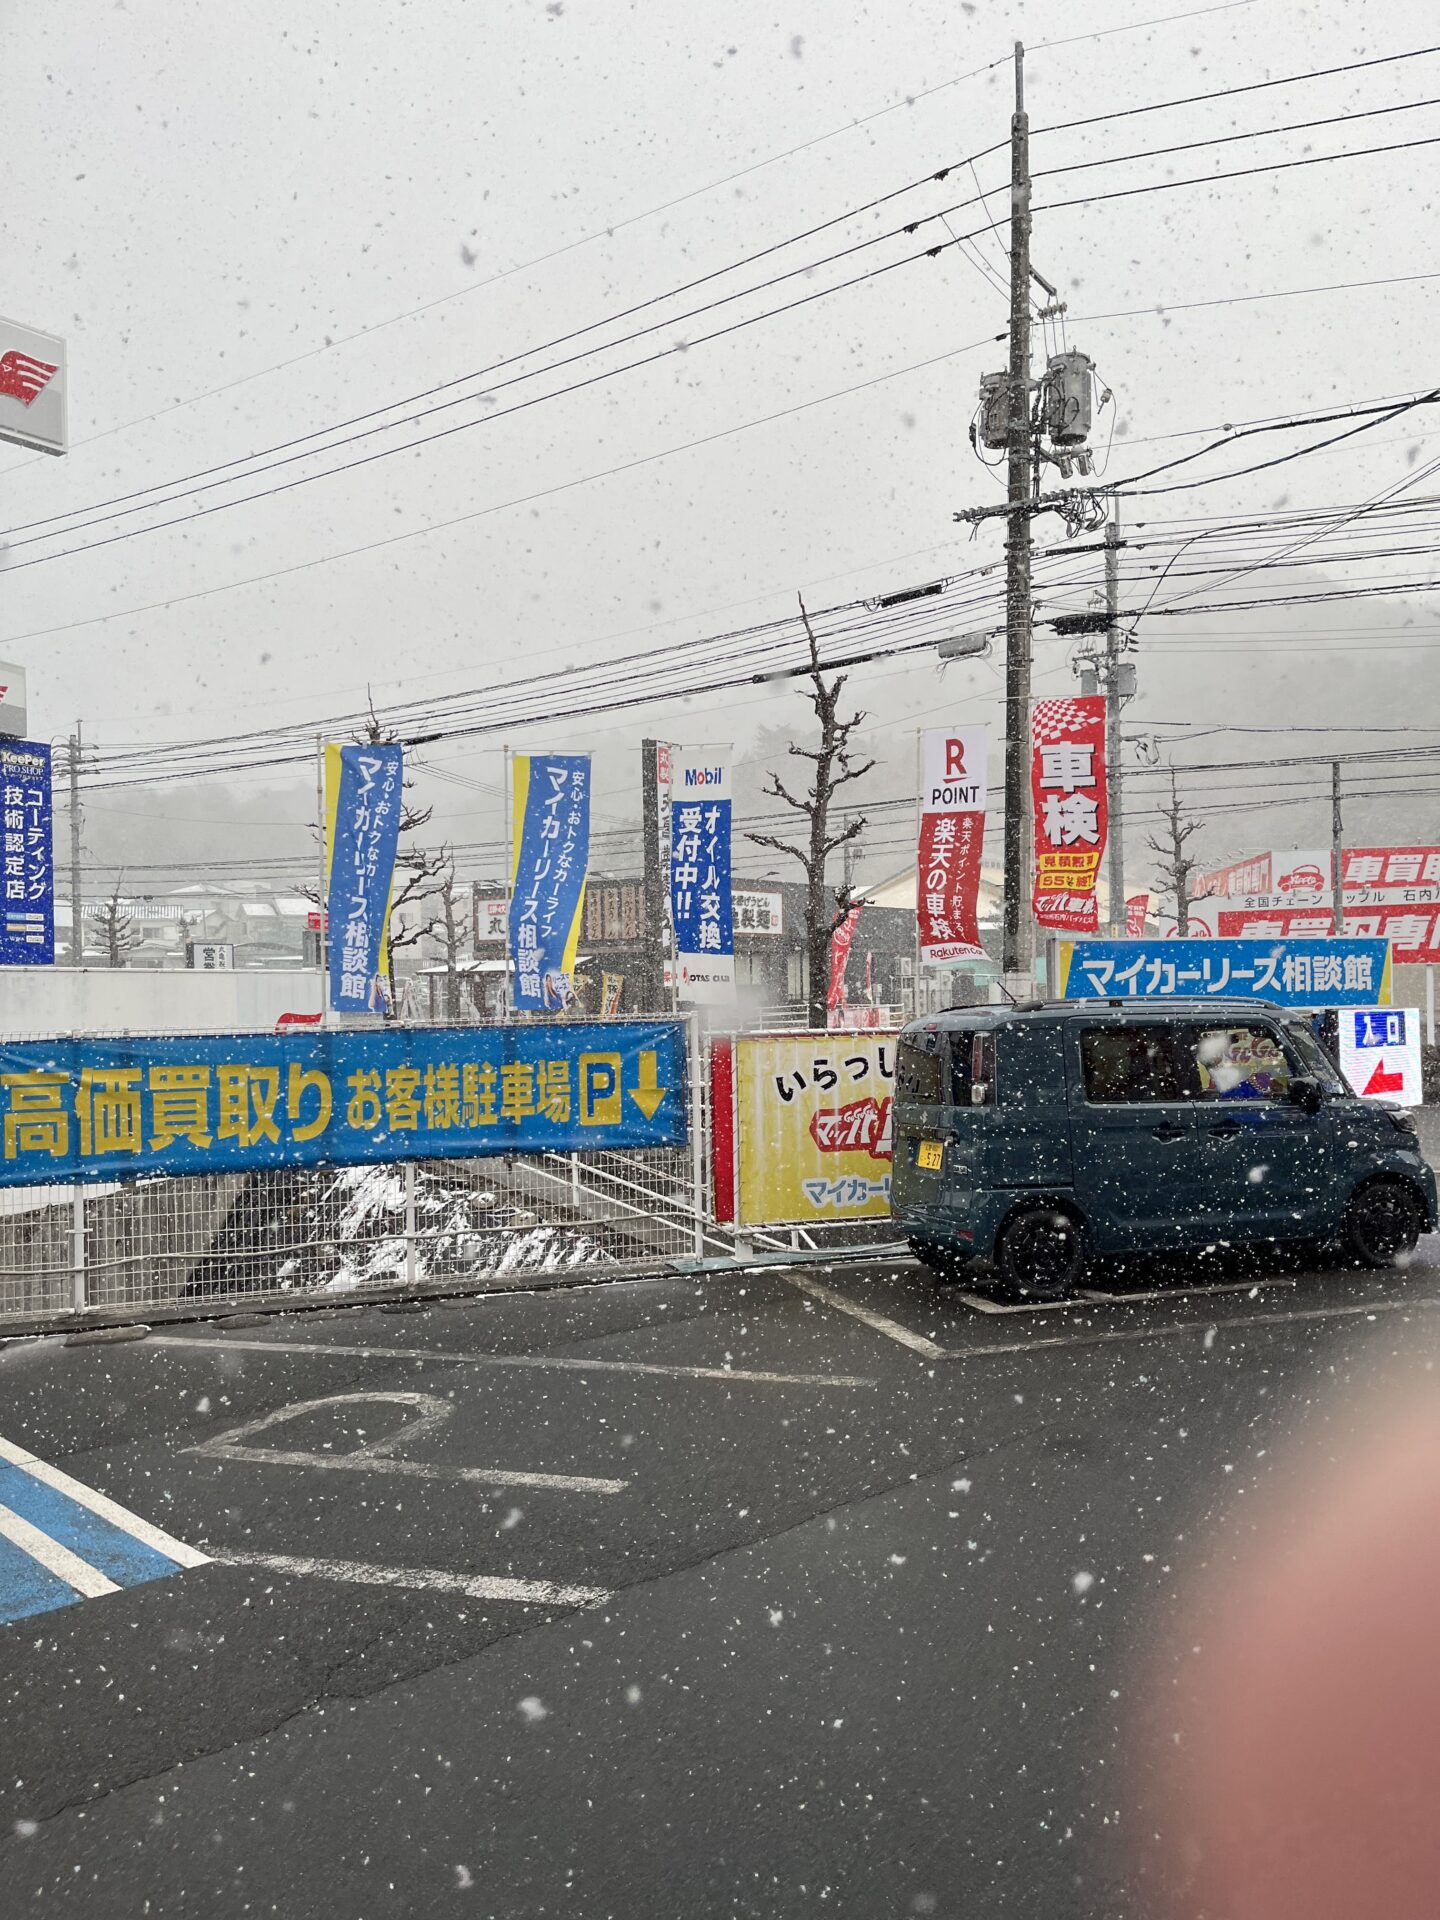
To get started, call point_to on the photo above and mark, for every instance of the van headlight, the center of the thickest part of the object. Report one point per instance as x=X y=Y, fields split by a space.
x=1403 y=1121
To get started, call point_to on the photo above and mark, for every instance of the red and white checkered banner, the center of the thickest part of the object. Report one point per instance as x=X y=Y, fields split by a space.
x=953 y=766
x=1072 y=813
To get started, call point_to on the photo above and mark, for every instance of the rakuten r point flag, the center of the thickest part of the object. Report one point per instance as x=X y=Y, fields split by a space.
x=952 y=831
x=1067 y=783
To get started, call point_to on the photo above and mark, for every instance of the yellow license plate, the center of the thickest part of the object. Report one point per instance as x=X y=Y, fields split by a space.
x=930 y=1155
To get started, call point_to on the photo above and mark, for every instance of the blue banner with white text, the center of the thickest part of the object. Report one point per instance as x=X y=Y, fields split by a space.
x=364 y=802
x=550 y=858
x=82 y=1109
x=701 y=899
x=1319 y=972
x=27 y=913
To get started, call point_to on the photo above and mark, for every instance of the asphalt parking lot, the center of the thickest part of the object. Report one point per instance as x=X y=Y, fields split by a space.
x=798 y=1590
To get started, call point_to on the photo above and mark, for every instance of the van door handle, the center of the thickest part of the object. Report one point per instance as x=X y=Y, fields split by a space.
x=1226 y=1129
x=1167 y=1130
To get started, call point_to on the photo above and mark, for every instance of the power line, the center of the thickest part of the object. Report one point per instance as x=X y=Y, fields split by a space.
x=1237 y=173
x=440 y=526
x=1228 y=139
x=187 y=484
x=1254 y=86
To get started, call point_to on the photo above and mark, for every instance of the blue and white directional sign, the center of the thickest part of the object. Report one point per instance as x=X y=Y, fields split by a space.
x=83 y=1109
x=1319 y=972
x=1380 y=1053
x=27 y=909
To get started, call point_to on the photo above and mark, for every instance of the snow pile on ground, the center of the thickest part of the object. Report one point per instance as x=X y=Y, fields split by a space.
x=333 y=1230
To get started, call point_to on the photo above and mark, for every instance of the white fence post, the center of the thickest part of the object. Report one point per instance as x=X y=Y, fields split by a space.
x=77 y=1246
x=411 y=1262
x=697 y=1138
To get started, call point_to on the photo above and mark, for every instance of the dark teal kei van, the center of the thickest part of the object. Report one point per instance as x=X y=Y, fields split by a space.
x=1033 y=1138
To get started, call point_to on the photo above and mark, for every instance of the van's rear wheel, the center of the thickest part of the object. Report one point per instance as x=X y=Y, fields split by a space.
x=1041 y=1254
x=1382 y=1221
x=943 y=1263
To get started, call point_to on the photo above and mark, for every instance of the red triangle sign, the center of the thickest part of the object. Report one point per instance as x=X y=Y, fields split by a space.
x=1382 y=1082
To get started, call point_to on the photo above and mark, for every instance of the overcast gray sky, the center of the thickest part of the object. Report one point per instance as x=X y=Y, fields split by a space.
x=198 y=196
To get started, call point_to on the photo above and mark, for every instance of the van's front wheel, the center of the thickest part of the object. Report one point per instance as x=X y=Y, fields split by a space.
x=1041 y=1254
x=1382 y=1221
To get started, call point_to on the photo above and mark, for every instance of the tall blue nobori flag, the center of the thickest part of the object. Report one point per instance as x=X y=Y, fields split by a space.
x=365 y=789
x=701 y=908
x=549 y=862
x=27 y=895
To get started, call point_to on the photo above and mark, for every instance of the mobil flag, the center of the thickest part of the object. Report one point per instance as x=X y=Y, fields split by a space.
x=953 y=762
x=1067 y=785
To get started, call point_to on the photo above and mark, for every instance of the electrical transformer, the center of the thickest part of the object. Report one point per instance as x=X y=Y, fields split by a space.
x=1067 y=398
x=994 y=423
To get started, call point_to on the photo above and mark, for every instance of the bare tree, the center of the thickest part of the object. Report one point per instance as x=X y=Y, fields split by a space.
x=117 y=929
x=1176 y=866
x=835 y=767
x=452 y=935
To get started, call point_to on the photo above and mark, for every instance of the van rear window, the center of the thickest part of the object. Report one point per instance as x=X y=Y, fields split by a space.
x=920 y=1067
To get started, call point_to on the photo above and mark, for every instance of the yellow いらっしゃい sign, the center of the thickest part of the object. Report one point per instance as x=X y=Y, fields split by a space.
x=812 y=1126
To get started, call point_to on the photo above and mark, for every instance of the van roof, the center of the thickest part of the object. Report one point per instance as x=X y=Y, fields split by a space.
x=1189 y=1006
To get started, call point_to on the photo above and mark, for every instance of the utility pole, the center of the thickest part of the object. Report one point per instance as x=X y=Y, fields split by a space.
x=1337 y=848
x=1016 y=959
x=77 y=917
x=652 y=883
x=1113 y=771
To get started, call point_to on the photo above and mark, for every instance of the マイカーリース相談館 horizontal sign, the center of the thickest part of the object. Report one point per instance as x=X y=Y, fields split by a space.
x=1294 y=973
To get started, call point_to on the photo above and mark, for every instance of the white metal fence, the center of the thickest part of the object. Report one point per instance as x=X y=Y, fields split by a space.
x=152 y=1242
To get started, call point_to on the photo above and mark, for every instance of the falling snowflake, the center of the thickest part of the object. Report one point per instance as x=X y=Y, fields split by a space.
x=533 y=1708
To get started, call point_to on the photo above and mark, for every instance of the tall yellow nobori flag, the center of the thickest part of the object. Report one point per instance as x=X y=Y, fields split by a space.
x=364 y=796
x=550 y=856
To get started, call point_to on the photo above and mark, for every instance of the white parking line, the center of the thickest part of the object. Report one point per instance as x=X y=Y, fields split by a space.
x=439 y=1355
x=416 y=1470
x=1124 y=1335
x=106 y=1509
x=981 y=1305
x=60 y=1561
x=1147 y=1297
x=529 y=1593
x=877 y=1322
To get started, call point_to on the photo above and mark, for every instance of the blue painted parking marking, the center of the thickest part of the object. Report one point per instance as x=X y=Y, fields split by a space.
x=61 y=1541
x=27 y=1588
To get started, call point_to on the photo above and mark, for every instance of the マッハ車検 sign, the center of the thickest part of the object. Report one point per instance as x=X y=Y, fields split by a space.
x=1291 y=973
x=813 y=1126
x=83 y=1109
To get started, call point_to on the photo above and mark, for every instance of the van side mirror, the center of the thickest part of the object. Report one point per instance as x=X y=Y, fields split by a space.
x=1306 y=1093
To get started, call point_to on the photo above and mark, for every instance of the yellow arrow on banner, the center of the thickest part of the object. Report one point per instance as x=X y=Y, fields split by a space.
x=647 y=1096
